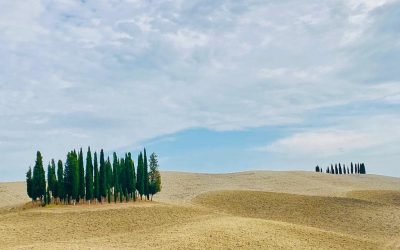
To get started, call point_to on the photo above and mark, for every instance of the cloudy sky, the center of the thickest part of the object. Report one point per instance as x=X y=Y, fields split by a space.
x=211 y=86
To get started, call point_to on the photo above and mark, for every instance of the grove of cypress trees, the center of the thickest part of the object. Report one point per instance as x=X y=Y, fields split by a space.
x=60 y=182
x=146 y=175
x=140 y=176
x=102 y=179
x=81 y=176
x=29 y=183
x=38 y=179
x=89 y=176
x=96 y=179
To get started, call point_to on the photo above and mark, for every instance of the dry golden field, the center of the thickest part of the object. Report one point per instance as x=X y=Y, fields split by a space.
x=251 y=210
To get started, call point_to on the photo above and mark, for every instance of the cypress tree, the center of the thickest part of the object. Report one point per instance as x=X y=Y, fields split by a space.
x=68 y=179
x=344 y=169
x=72 y=174
x=336 y=169
x=29 y=183
x=146 y=175
x=96 y=179
x=109 y=177
x=130 y=170
x=351 y=168
x=140 y=176
x=54 y=190
x=128 y=174
x=116 y=176
x=348 y=172
x=154 y=176
x=317 y=169
x=362 y=169
x=81 y=176
x=122 y=178
x=60 y=182
x=109 y=174
x=332 y=170
x=89 y=176
x=38 y=179
x=327 y=170
x=340 y=169
x=102 y=179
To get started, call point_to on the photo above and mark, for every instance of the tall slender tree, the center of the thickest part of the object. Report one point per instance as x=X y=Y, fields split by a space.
x=116 y=176
x=340 y=169
x=102 y=179
x=140 y=176
x=89 y=176
x=38 y=179
x=146 y=175
x=81 y=176
x=332 y=170
x=109 y=178
x=351 y=168
x=123 y=178
x=29 y=185
x=96 y=179
x=60 y=180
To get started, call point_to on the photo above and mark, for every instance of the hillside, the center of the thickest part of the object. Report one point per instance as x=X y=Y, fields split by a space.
x=258 y=209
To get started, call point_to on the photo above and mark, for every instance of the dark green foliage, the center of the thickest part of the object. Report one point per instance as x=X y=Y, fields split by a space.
x=81 y=175
x=53 y=180
x=116 y=172
x=327 y=170
x=362 y=169
x=336 y=169
x=72 y=176
x=89 y=176
x=332 y=170
x=38 y=179
x=122 y=177
x=96 y=187
x=154 y=176
x=140 y=176
x=60 y=180
x=317 y=169
x=351 y=168
x=145 y=175
x=340 y=169
x=103 y=178
x=109 y=174
x=29 y=183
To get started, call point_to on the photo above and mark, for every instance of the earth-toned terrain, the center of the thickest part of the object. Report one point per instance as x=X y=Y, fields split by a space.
x=253 y=210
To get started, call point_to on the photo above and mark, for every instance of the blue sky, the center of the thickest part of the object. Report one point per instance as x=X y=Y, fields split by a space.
x=211 y=86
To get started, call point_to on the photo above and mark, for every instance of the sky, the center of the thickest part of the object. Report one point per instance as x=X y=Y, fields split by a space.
x=210 y=86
